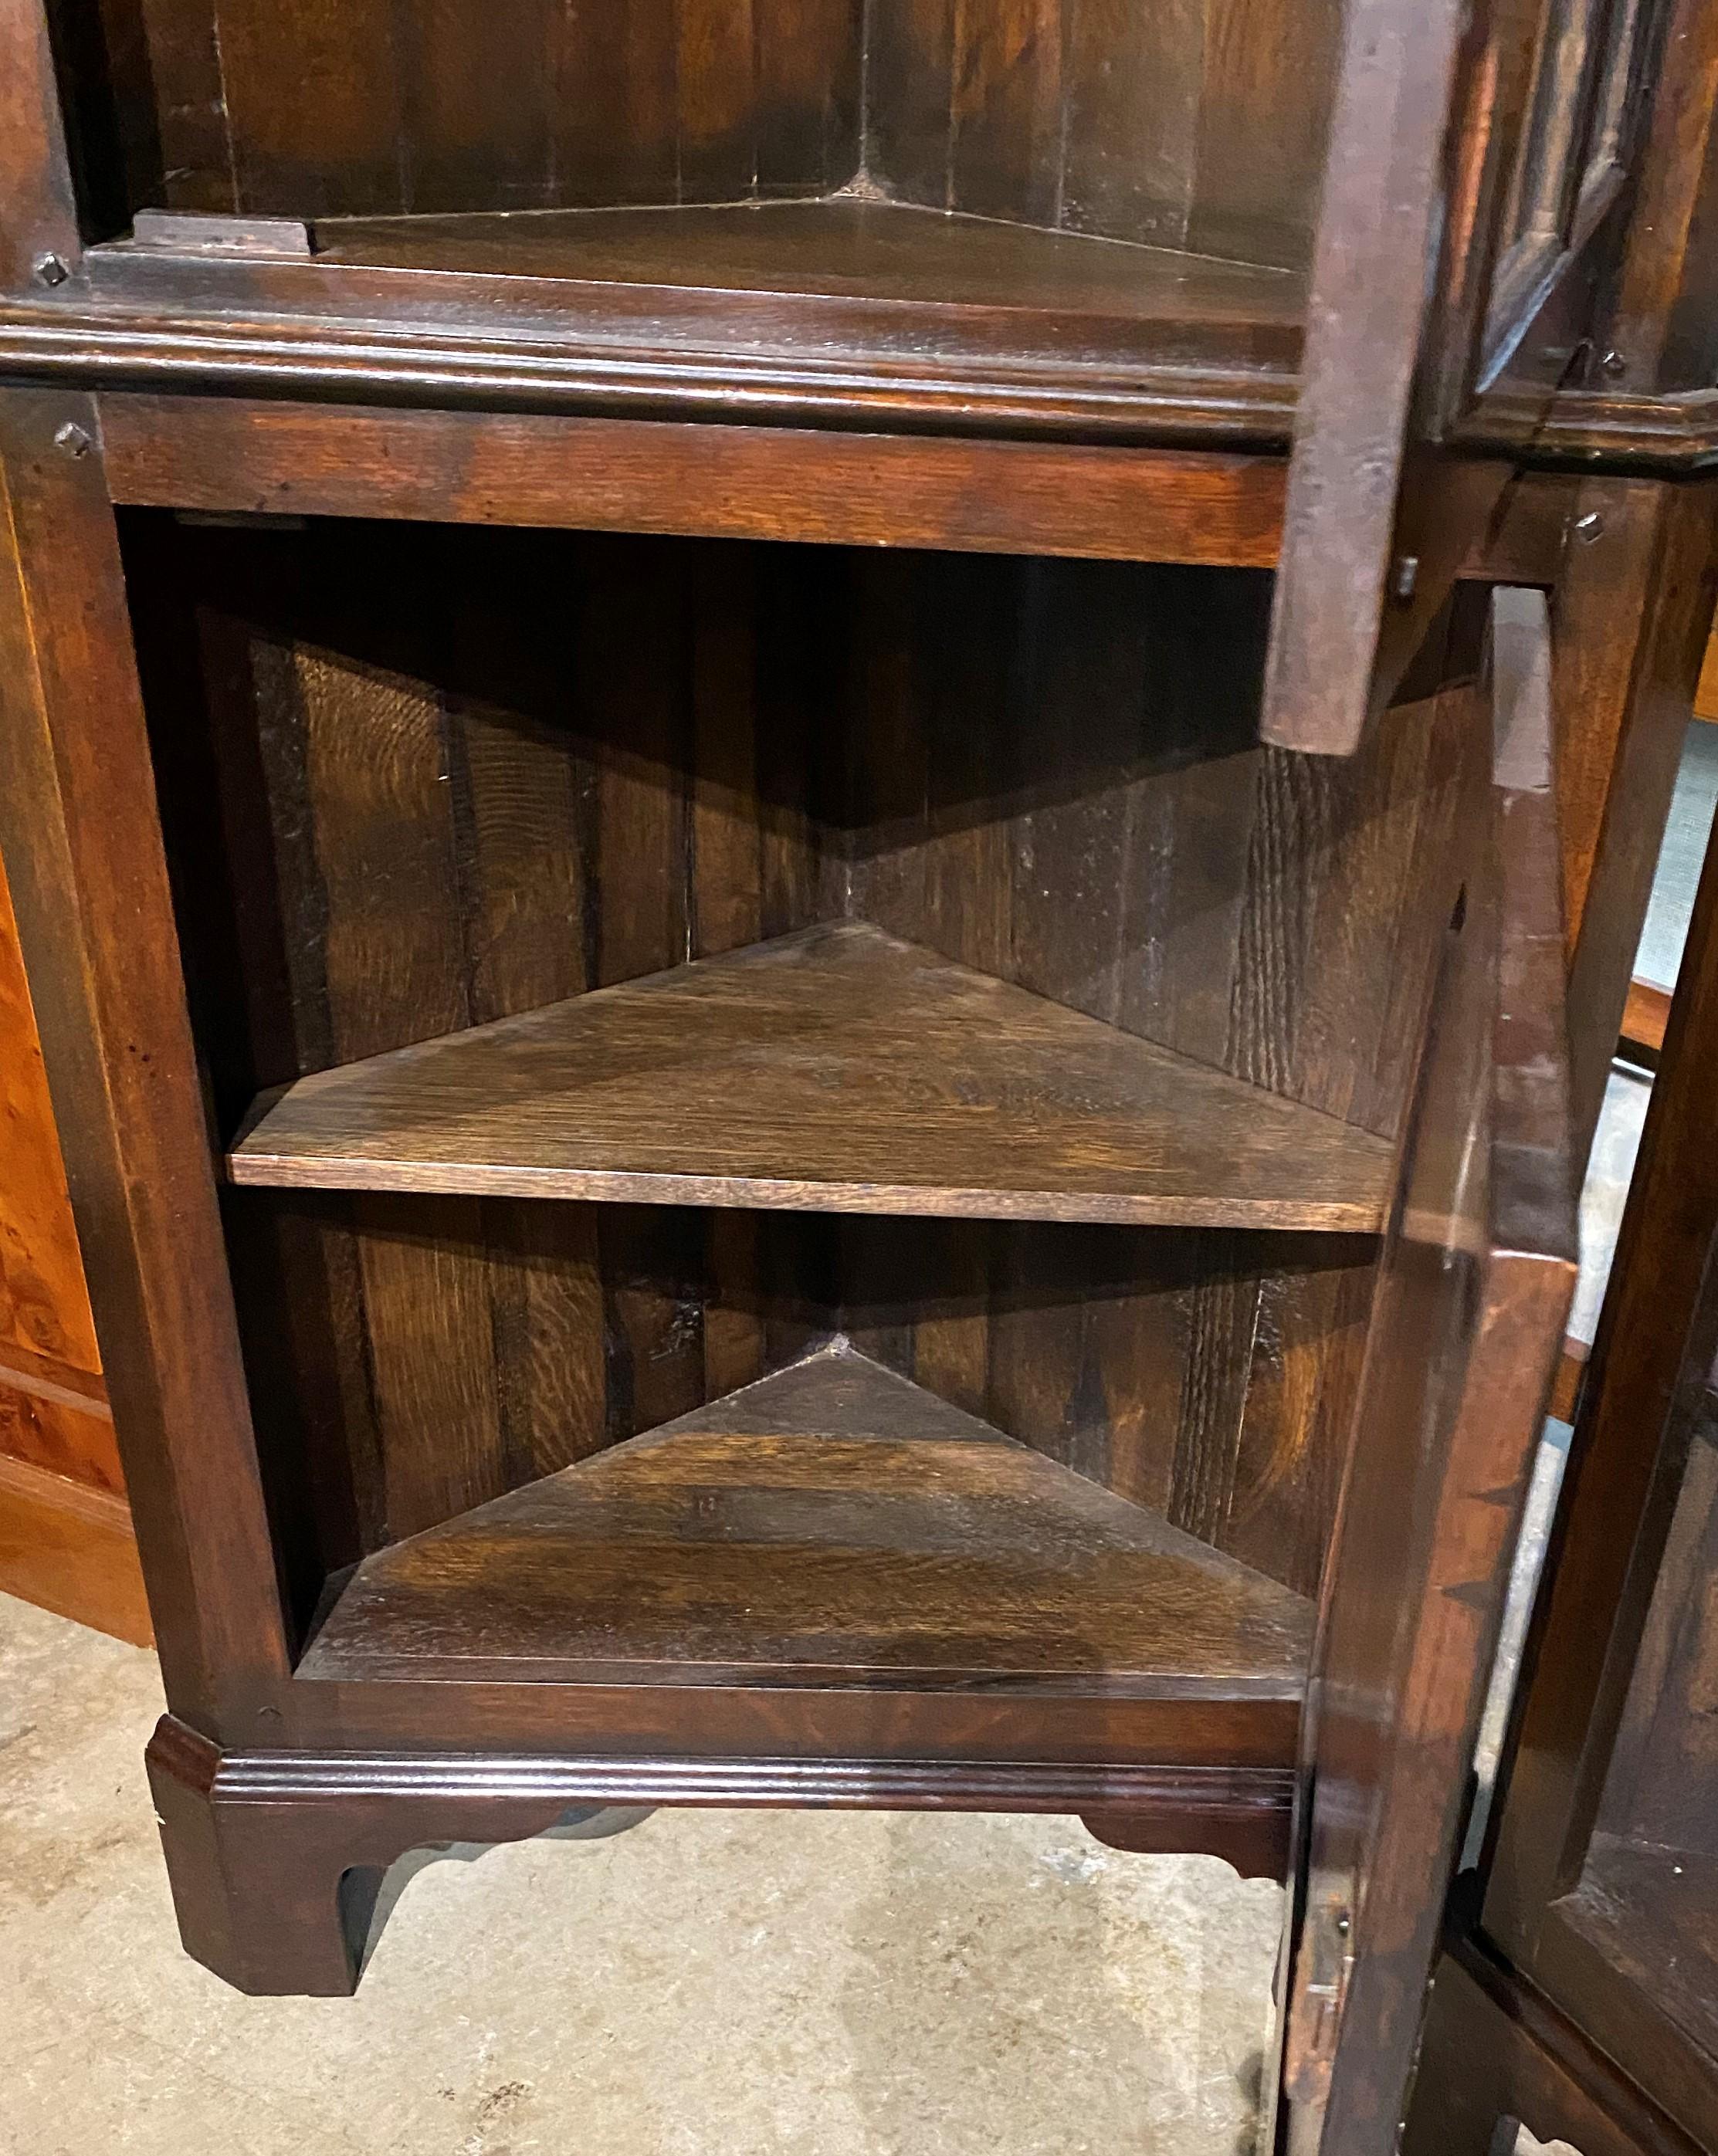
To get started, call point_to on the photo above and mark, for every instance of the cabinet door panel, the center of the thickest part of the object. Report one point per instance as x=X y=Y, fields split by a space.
x=1472 y=182
x=1473 y=1290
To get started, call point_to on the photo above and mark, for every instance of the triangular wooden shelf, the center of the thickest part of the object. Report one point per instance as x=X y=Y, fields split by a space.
x=835 y=1070
x=833 y=1523
x=1016 y=286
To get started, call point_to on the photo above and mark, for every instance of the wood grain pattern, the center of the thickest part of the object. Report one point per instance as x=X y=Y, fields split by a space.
x=1040 y=771
x=44 y=1305
x=71 y=1548
x=60 y=1438
x=35 y=173
x=94 y=910
x=1060 y=113
x=1473 y=1290
x=1642 y=1435
x=1633 y=673
x=300 y=1840
x=737 y=482
x=1498 y=2049
x=831 y=1520
x=738 y=1081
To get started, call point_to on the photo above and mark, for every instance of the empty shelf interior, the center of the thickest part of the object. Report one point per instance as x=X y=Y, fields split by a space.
x=844 y=247
x=831 y=1523
x=836 y=1069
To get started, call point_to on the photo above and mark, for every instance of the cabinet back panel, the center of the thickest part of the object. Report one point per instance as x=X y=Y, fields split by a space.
x=1194 y=124
x=414 y=778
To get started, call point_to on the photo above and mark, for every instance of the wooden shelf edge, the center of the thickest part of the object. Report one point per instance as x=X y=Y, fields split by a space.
x=229 y=456
x=1056 y=1116
x=257 y=1168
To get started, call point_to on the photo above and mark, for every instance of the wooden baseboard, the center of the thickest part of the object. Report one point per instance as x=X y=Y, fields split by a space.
x=70 y=1549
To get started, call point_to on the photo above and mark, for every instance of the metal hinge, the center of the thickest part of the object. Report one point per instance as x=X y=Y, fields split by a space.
x=1315 y=2010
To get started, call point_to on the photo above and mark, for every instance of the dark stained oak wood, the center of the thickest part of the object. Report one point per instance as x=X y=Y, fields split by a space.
x=83 y=860
x=299 y=1841
x=1497 y=2053
x=1597 y=1873
x=1035 y=111
x=884 y=253
x=1635 y=1952
x=258 y=457
x=839 y=1069
x=1480 y=1259
x=1205 y=1372
x=1626 y=691
x=35 y=176
x=832 y=1523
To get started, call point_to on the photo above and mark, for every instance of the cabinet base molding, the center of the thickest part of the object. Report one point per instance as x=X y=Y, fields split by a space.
x=277 y=1858
x=70 y=1549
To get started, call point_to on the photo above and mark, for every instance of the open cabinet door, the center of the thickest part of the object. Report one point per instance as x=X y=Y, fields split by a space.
x=1474 y=183
x=1473 y=1290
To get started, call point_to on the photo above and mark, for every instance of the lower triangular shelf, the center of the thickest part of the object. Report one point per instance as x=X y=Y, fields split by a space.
x=834 y=1524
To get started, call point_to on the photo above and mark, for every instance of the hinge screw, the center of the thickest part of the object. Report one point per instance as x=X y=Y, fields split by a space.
x=1614 y=364
x=49 y=270
x=1589 y=527
x=1344 y=1926
x=73 y=440
x=1404 y=577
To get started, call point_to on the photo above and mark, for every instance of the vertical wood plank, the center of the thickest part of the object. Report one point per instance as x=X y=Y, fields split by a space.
x=546 y=1296
x=426 y=1279
x=314 y=107
x=475 y=111
x=1135 y=80
x=653 y=1288
x=1302 y=1383
x=887 y=775
x=522 y=790
x=616 y=77
x=734 y=1343
x=909 y=78
x=952 y=1333
x=1222 y=1334
x=718 y=156
x=808 y=59
x=1005 y=156
x=84 y=859
x=196 y=145
x=1264 y=112
x=725 y=846
x=800 y=667
x=632 y=679
x=379 y=777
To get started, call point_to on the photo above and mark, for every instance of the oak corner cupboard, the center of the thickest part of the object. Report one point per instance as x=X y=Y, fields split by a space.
x=782 y=793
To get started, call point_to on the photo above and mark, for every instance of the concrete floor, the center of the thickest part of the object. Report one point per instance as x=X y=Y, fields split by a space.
x=719 y=1983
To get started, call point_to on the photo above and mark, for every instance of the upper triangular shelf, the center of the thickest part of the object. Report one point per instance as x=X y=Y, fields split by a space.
x=834 y=1522
x=835 y=1069
x=849 y=248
